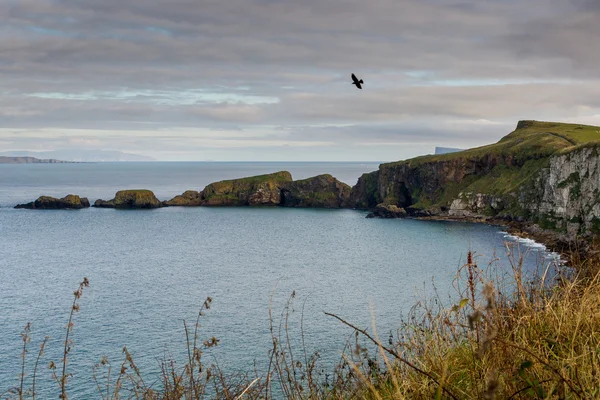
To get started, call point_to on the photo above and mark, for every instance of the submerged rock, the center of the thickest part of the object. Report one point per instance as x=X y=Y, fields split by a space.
x=130 y=199
x=189 y=198
x=322 y=191
x=69 y=202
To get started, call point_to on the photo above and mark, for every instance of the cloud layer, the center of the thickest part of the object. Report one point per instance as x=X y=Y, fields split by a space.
x=269 y=80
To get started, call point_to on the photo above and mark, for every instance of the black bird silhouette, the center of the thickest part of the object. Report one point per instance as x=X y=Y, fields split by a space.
x=356 y=82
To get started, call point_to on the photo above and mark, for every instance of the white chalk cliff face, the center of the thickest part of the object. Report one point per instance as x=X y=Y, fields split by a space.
x=564 y=196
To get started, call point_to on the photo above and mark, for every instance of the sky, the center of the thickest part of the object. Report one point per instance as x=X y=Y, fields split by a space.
x=269 y=80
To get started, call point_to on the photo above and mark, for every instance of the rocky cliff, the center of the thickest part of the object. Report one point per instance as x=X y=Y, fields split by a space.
x=258 y=190
x=566 y=194
x=543 y=172
x=323 y=191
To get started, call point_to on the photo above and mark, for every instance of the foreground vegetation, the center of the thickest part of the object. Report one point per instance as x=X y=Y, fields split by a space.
x=530 y=338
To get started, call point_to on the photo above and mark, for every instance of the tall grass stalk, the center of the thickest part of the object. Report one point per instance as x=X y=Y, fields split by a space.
x=534 y=336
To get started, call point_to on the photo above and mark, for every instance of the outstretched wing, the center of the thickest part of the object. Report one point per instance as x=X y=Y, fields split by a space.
x=354 y=79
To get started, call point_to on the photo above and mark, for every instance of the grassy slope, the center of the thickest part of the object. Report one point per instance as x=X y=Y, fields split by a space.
x=251 y=181
x=536 y=139
x=530 y=145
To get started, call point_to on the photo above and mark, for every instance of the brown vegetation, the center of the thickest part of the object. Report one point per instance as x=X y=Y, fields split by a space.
x=533 y=337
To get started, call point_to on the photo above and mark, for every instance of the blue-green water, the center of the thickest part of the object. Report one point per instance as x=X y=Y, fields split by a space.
x=150 y=269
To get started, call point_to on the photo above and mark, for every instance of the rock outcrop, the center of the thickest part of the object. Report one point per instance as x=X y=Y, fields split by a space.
x=130 y=199
x=261 y=190
x=189 y=198
x=383 y=210
x=475 y=205
x=322 y=191
x=71 y=202
x=566 y=195
x=277 y=189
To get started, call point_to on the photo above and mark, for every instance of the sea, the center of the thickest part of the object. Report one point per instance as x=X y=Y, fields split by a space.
x=151 y=270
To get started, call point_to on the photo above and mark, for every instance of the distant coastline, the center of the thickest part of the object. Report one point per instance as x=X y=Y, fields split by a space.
x=31 y=160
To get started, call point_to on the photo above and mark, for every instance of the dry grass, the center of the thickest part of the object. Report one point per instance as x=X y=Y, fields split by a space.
x=524 y=339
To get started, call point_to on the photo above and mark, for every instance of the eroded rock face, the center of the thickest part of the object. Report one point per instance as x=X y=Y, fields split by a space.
x=322 y=191
x=408 y=182
x=70 y=201
x=475 y=205
x=130 y=199
x=566 y=195
x=189 y=198
x=265 y=194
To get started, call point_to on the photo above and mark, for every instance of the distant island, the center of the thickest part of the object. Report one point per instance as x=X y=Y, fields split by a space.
x=446 y=150
x=29 y=160
x=77 y=155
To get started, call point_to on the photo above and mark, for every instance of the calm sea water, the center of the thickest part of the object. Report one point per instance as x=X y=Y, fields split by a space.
x=151 y=269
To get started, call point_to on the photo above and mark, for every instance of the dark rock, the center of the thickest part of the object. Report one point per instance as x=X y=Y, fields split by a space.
x=189 y=198
x=365 y=194
x=383 y=210
x=130 y=199
x=420 y=213
x=504 y=217
x=104 y=204
x=69 y=202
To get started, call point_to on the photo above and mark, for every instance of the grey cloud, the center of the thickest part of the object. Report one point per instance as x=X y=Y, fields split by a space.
x=424 y=62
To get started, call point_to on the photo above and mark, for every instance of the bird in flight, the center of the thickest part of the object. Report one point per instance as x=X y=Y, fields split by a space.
x=356 y=82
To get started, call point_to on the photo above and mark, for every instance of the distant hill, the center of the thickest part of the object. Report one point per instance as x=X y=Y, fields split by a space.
x=446 y=150
x=80 y=155
x=28 y=160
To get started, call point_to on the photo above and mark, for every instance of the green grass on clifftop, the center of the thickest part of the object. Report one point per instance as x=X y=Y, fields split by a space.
x=515 y=160
x=531 y=139
x=251 y=181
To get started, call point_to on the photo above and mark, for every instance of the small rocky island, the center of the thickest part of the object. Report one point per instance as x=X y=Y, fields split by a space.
x=130 y=199
x=69 y=202
x=277 y=189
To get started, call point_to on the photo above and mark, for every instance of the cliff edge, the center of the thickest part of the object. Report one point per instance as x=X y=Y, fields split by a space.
x=543 y=172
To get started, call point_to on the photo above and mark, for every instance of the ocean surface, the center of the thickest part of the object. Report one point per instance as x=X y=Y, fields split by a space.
x=151 y=269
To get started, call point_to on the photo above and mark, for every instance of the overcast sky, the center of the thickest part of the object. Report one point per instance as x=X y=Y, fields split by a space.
x=270 y=79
